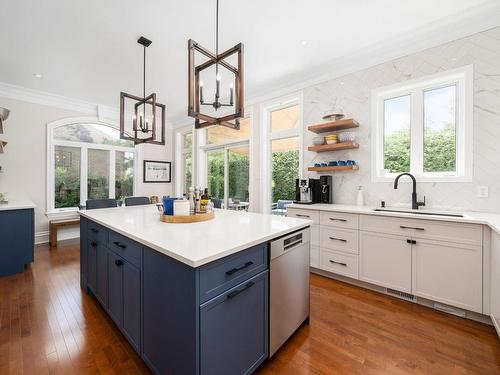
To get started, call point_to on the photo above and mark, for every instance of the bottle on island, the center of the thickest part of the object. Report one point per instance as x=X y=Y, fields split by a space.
x=204 y=200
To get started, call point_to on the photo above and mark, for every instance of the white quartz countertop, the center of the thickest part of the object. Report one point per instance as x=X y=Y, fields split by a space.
x=492 y=219
x=195 y=244
x=18 y=204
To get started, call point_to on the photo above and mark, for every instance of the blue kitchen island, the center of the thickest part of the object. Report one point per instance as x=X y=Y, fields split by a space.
x=17 y=236
x=190 y=298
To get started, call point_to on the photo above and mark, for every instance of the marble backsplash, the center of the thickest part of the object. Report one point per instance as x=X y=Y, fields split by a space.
x=353 y=93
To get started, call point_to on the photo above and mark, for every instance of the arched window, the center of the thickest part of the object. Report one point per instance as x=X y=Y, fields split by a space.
x=87 y=160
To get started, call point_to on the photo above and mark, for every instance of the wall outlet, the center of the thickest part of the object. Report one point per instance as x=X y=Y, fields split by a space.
x=482 y=191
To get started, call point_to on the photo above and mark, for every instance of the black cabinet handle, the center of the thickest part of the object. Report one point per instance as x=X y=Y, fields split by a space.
x=416 y=228
x=413 y=242
x=335 y=219
x=93 y=244
x=120 y=245
x=301 y=215
x=236 y=292
x=119 y=262
x=93 y=230
x=337 y=239
x=236 y=269
x=339 y=263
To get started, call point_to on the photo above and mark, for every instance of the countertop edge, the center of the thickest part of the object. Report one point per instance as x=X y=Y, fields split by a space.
x=199 y=262
x=469 y=217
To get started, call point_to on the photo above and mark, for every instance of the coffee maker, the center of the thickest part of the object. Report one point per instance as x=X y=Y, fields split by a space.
x=326 y=189
x=303 y=191
x=307 y=191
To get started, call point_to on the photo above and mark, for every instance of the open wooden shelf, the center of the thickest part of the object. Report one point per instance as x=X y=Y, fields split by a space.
x=334 y=147
x=333 y=169
x=332 y=126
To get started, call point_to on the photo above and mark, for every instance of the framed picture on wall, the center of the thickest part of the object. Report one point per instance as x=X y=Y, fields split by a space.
x=157 y=171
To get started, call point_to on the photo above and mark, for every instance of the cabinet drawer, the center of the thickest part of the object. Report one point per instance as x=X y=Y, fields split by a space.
x=315 y=235
x=234 y=329
x=470 y=234
x=97 y=233
x=303 y=214
x=220 y=275
x=315 y=256
x=339 y=219
x=339 y=239
x=126 y=248
x=340 y=263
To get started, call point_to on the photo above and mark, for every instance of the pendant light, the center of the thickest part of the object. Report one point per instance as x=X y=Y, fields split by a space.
x=4 y=115
x=144 y=116
x=196 y=96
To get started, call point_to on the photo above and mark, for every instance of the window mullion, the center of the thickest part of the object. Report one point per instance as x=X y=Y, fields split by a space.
x=112 y=174
x=83 y=175
x=417 y=133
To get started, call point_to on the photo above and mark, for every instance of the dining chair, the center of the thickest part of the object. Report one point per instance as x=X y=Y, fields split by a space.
x=92 y=204
x=136 y=201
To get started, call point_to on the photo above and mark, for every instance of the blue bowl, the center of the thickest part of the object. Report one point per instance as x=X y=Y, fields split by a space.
x=317 y=165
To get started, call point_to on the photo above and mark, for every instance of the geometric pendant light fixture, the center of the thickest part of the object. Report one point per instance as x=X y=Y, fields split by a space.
x=4 y=115
x=142 y=118
x=198 y=99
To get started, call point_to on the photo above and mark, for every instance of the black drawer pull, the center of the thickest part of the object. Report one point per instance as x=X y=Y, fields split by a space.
x=335 y=219
x=236 y=269
x=416 y=228
x=120 y=245
x=413 y=242
x=236 y=292
x=337 y=239
x=301 y=215
x=93 y=244
x=339 y=263
x=119 y=262
x=93 y=230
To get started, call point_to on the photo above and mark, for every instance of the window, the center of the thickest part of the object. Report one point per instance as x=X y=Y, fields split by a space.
x=282 y=161
x=228 y=165
x=87 y=161
x=424 y=127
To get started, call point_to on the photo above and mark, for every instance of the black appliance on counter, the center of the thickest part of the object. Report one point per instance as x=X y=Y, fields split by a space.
x=309 y=191
x=326 y=189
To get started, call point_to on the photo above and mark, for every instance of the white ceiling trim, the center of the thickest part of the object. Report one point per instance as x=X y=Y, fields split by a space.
x=102 y=112
x=444 y=31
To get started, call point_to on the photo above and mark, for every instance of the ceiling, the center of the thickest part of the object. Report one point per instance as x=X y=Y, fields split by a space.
x=87 y=49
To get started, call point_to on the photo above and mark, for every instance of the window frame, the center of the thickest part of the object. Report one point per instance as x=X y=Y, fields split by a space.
x=463 y=79
x=52 y=211
x=268 y=136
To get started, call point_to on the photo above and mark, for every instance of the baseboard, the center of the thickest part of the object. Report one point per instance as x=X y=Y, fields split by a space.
x=496 y=325
x=419 y=300
x=63 y=234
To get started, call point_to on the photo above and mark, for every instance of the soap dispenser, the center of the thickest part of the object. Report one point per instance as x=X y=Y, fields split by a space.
x=360 y=200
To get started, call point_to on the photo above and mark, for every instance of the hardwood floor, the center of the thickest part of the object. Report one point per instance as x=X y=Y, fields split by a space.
x=48 y=326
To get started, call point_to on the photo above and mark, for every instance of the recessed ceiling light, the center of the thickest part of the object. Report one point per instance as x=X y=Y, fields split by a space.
x=37 y=75
x=454 y=59
x=303 y=42
x=342 y=83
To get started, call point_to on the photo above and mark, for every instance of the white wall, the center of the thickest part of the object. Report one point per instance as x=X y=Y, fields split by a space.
x=353 y=93
x=24 y=162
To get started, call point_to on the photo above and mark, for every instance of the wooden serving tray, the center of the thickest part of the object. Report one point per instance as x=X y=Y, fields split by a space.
x=188 y=219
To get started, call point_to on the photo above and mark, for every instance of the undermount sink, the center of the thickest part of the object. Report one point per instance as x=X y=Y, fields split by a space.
x=419 y=212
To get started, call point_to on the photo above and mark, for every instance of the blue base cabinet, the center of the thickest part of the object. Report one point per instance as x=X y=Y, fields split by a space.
x=233 y=329
x=17 y=240
x=181 y=320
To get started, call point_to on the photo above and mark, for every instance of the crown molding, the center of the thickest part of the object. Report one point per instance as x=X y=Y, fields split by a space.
x=446 y=30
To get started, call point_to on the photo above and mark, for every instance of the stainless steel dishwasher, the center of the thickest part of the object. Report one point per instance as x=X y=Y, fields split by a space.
x=289 y=286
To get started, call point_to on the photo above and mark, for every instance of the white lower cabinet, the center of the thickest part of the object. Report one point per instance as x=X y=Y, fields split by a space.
x=448 y=273
x=314 y=256
x=339 y=263
x=385 y=260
